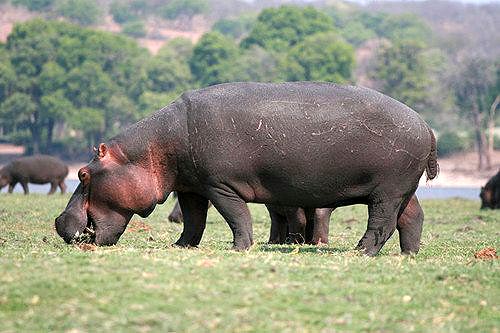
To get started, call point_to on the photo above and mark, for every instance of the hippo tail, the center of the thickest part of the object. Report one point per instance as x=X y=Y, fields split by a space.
x=432 y=168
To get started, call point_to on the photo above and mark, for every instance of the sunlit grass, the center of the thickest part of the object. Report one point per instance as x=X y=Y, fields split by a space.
x=144 y=284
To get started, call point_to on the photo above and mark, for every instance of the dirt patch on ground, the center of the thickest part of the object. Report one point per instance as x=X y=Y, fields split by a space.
x=9 y=15
x=86 y=247
x=487 y=253
x=137 y=226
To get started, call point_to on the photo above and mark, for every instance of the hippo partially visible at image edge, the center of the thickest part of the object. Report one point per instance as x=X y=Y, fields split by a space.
x=301 y=144
x=490 y=193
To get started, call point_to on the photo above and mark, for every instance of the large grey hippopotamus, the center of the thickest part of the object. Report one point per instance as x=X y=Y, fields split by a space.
x=36 y=169
x=300 y=144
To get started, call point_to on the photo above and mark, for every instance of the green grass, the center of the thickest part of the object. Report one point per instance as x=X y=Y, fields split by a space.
x=143 y=284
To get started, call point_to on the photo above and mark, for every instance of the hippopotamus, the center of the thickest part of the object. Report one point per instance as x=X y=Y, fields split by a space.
x=490 y=193
x=299 y=225
x=36 y=169
x=296 y=144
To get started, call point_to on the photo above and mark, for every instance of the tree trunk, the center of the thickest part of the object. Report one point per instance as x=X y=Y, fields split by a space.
x=491 y=125
x=50 y=134
x=484 y=161
x=35 y=132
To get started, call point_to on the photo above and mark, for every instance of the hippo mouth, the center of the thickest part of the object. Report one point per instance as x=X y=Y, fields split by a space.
x=87 y=235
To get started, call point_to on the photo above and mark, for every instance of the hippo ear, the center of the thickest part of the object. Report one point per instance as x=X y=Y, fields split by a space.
x=103 y=149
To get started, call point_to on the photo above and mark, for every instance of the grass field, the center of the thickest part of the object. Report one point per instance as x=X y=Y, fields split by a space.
x=143 y=284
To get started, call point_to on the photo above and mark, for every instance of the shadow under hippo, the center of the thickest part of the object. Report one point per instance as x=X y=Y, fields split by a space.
x=300 y=144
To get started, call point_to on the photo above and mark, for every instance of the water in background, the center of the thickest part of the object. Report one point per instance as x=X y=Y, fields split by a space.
x=423 y=192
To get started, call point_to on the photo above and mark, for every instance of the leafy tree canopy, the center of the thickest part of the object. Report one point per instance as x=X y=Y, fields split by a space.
x=279 y=28
x=321 y=57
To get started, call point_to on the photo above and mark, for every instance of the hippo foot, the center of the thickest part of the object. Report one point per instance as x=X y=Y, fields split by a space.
x=175 y=219
x=184 y=245
x=183 y=241
x=369 y=248
x=295 y=238
x=242 y=244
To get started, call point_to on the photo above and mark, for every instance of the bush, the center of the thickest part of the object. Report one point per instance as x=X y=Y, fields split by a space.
x=84 y=12
x=33 y=5
x=134 y=29
x=450 y=142
x=176 y=8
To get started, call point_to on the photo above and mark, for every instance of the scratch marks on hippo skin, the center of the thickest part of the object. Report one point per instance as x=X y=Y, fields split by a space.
x=323 y=132
x=260 y=124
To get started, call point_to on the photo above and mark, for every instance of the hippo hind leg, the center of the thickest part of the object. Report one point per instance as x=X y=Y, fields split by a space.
x=382 y=218
x=320 y=226
x=194 y=208
x=236 y=213
x=409 y=226
x=26 y=190
x=176 y=213
x=62 y=186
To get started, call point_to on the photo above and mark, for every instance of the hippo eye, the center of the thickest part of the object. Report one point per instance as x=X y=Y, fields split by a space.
x=84 y=176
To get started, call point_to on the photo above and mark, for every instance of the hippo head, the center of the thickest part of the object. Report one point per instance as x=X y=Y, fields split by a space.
x=4 y=178
x=486 y=196
x=111 y=190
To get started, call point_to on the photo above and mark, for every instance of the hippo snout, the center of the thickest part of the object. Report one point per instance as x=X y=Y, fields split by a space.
x=69 y=228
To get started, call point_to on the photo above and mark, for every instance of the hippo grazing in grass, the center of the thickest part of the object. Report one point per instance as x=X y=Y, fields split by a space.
x=300 y=144
x=37 y=169
x=490 y=193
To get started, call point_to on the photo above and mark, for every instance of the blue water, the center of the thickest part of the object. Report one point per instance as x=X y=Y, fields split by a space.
x=423 y=192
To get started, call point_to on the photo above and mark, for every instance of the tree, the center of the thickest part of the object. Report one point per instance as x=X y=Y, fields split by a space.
x=55 y=71
x=320 y=57
x=402 y=73
x=84 y=12
x=189 y=8
x=213 y=59
x=476 y=87
x=235 y=28
x=278 y=29
x=33 y=5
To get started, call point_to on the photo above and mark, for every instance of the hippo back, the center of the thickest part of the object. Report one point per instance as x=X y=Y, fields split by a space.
x=38 y=169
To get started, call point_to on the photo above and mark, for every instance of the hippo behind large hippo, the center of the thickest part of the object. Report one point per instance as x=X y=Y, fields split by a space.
x=290 y=144
x=36 y=169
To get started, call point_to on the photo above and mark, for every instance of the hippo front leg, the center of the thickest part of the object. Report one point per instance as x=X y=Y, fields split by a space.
x=11 y=187
x=236 y=213
x=194 y=208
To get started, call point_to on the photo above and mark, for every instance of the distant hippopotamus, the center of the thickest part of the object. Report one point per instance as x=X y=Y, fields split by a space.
x=299 y=144
x=490 y=193
x=36 y=169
